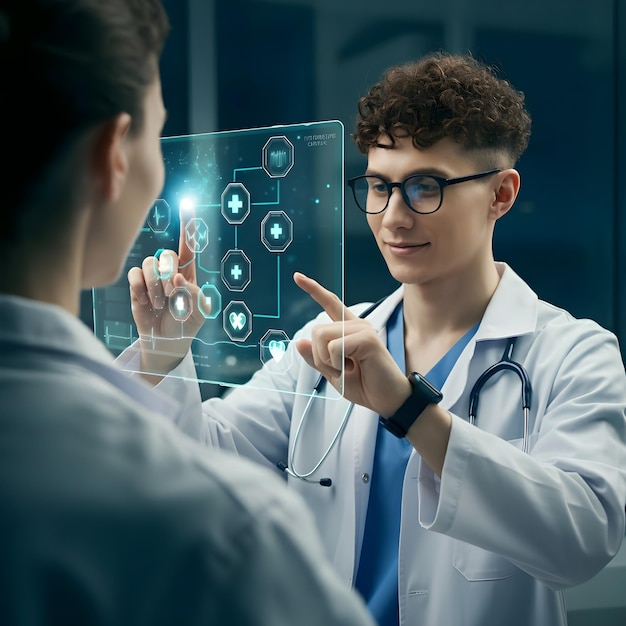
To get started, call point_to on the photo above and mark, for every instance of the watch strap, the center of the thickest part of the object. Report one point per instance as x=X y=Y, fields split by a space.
x=422 y=395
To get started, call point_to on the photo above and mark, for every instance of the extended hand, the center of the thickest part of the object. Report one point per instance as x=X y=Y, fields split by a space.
x=164 y=339
x=350 y=345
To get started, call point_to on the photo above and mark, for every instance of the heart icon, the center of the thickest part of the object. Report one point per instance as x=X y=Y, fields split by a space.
x=277 y=349
x=237 y=320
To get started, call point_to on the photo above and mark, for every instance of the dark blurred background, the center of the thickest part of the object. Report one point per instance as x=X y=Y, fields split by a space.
x=244 y=63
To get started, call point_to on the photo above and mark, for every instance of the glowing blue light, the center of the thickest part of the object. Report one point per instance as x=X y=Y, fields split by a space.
x=187 y=204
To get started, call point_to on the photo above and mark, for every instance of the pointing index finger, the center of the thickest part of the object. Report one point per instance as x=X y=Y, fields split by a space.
x=330 y=302
x=186 y=256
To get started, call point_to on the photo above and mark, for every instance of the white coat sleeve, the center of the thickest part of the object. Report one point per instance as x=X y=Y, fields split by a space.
x=252 y=420
x=557 y=512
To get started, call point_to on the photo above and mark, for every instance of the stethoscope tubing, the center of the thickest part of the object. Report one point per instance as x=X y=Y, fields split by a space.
x=505 y=363
x=290 y=466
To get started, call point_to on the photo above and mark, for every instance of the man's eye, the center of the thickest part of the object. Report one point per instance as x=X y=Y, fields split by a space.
x=375 y=185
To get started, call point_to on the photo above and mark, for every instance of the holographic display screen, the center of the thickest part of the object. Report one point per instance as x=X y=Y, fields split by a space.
x=265 y=202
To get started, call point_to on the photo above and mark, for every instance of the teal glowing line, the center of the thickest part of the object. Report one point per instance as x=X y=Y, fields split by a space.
x=108 y=336
x=277 y=201
x=277 y=316
x=227 y=343
x=204 y=269
x=244 y=169
x=250 y=169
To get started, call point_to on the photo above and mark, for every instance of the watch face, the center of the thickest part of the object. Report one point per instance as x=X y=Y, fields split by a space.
x=419 y=381
x=423 y=394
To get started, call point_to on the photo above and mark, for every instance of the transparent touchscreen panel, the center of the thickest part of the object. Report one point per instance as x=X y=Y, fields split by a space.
x=253 y=206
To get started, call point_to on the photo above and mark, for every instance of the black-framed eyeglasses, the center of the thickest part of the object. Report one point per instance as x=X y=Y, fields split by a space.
x=423 y=193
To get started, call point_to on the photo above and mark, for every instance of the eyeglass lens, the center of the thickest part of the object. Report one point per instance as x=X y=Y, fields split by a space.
x=423 y=193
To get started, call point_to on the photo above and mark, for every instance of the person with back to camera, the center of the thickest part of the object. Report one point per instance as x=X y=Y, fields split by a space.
x=109 y=515
x=436 y=518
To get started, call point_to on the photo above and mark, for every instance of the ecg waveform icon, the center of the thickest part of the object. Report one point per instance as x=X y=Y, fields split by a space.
x=160 y=216
x=197 y=238
x=197 y=234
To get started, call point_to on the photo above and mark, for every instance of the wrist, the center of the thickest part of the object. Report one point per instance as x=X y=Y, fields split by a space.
x=397 y=398
x=160 y=356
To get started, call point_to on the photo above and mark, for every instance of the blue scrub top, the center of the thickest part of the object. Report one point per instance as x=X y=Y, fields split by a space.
x=377 y=576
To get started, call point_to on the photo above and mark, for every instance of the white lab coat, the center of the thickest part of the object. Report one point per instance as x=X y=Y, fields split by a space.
x=502 y=533
x=110 y=516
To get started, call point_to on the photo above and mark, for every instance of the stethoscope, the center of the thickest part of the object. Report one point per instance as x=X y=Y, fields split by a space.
x=504 y=364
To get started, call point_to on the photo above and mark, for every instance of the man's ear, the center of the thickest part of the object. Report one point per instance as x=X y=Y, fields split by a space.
x=506 y=190
x=110 y=162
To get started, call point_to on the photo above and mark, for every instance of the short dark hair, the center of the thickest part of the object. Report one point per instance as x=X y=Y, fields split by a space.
x=65 y=66
x=445 y=95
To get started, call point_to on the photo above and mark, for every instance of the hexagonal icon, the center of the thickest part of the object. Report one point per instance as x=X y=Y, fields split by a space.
x=163 y=264
x=236 y=270
x=278 y=156
x=276 y=231
x=159 y=216
x=180 y=304
x=197 y=234
x=237 y=320
x=209 y=301
x=235 y=203
x=273 y=346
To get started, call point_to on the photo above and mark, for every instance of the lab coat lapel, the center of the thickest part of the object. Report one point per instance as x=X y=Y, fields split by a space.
x=512 y=312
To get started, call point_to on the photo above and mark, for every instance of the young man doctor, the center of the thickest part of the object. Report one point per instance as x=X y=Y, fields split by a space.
x=436 y=520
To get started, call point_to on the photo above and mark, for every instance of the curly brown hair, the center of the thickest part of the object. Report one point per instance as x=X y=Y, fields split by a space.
x=445 y=95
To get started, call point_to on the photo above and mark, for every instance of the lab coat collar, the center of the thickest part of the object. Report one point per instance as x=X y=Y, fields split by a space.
x=511 y=312
x=379 y=316
x=54 y=333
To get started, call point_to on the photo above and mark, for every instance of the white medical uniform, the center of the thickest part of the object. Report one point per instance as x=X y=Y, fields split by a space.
x=110 y=516
x=497 y=538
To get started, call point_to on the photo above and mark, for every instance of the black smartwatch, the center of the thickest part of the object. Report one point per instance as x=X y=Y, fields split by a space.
x=422 y=395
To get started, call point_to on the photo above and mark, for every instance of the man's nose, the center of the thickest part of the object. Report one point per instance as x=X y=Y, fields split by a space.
x=397 y=209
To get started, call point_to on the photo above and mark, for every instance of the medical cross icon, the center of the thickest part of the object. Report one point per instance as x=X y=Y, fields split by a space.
x=276 y=231
x=235 y=272
x=234 y=204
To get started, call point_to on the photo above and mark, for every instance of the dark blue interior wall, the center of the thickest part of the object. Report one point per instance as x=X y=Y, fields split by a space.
x=565 y=234
x=175 y=84
x=265 y=64
x=175 y=69
x=559 y=235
